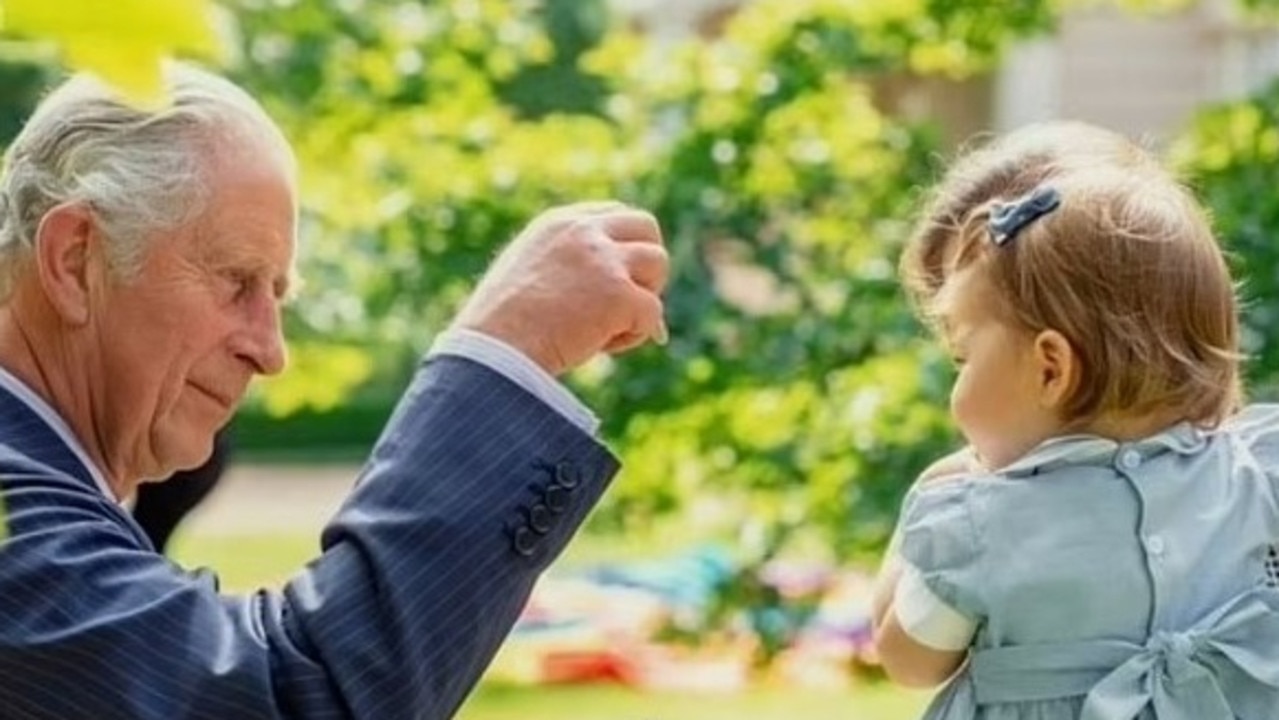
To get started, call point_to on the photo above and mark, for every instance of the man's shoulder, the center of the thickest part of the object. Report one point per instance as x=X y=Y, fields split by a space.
x=18 y=464
x=38 y=496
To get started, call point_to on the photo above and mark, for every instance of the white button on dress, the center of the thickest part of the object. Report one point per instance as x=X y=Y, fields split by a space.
x=1130 y=459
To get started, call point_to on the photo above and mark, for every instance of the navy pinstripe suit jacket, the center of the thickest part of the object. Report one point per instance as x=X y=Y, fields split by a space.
x=474 y=487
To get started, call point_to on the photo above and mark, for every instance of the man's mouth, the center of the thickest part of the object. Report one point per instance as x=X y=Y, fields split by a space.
x=221 y=399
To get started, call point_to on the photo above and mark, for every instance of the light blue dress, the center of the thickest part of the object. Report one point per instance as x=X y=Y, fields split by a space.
x=1112 y=581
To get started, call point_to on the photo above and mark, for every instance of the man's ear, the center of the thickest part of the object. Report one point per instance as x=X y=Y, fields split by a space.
x=63 y=247
x=1058 y=366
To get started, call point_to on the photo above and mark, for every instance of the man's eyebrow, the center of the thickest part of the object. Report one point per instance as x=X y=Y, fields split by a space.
x=284 y=286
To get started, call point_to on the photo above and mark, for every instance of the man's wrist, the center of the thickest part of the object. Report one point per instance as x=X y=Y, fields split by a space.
x=534 y=349
x=518 y=367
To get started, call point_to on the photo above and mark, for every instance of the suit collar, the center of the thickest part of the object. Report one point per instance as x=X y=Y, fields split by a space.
x=46 y=437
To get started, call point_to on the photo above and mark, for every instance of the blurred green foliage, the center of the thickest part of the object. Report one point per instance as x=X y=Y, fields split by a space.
x=1231 y=156
x=797 y=388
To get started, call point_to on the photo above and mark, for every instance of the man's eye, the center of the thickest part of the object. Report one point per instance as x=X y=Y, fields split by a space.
x=240 y=283
x=958 y=361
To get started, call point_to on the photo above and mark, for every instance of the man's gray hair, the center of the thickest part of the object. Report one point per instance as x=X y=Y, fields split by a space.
x=139 y=171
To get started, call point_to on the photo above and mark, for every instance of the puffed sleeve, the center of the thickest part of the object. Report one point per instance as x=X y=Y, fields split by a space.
x=1255 y=434
x=938 y=540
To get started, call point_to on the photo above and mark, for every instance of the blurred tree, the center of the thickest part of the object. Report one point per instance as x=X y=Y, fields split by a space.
x=558 y=84
x=427 y=132
x=23 y=81
x=124 y=46
x=1231 y=155
x=795 y=386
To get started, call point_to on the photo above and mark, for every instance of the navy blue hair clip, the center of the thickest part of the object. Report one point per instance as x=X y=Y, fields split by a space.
x=1008 y=219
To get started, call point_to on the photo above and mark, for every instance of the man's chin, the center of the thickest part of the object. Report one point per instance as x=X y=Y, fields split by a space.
x=177 y=455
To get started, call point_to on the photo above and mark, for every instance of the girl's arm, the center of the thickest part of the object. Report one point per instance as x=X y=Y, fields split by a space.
x=906 y=660
x=909 y=662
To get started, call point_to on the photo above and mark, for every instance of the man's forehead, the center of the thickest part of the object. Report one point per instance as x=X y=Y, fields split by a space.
x=264 y=251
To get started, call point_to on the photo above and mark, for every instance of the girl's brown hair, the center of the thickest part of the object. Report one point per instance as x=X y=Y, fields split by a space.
x=1126 y=268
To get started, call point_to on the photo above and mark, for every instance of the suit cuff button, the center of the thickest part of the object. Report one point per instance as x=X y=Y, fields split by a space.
x=523 y=541
x=556 y=498
x=567 y=475
x=539 y=518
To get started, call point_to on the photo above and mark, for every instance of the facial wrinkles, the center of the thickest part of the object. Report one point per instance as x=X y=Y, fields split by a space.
x=253 y=283
x=226 y=257
x=125 y=439
x=142 y=403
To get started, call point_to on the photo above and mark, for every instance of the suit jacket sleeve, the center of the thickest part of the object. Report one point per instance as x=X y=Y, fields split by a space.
x=473 y=489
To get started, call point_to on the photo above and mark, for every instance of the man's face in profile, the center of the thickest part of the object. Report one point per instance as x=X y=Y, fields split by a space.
x=179 y=342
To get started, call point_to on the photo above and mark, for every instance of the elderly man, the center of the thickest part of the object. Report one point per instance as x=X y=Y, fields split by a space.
x=143 y=259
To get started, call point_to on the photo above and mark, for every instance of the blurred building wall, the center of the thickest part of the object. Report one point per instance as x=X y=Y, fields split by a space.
x=1141 y=75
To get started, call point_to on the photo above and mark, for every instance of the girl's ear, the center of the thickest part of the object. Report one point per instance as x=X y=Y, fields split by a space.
x=1058 y=366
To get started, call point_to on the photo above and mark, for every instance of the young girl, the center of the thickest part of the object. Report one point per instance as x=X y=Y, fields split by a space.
x=1099 y=550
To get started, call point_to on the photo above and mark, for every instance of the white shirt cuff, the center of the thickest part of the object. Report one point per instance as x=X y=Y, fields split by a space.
x=926 y=618
x=519 y=369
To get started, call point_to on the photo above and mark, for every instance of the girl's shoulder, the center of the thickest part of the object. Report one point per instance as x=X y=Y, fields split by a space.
x=1253 y=437
x=952 y=494
x=939 y=535
x=1255 y=425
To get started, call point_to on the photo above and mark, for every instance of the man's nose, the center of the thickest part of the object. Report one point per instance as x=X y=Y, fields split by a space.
x=262 y=342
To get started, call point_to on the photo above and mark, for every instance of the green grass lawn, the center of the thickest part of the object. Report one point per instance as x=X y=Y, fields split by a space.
x=246 y=562
x=870 y=701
